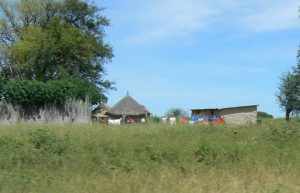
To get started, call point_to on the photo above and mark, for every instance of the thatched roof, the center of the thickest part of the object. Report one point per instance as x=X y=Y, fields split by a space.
x=128 y=106
x=101 y=109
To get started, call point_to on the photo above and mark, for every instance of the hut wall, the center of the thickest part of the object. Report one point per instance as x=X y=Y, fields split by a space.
x=240 y=115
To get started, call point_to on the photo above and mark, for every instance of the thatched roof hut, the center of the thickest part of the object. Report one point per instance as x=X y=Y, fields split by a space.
x=101 y=110
x=128 y=107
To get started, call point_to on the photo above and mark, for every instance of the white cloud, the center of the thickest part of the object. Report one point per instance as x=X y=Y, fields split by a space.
x=159 y=20
x=172 y=18
x=278 y=16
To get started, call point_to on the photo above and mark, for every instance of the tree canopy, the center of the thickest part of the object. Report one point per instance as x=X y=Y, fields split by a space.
x=288 y=94
x=176 y=112
x=261 y=114
x=52 y=40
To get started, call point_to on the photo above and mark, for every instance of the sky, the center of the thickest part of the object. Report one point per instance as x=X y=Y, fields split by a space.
x=201 y=53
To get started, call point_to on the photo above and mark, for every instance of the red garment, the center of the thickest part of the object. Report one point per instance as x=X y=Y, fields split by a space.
x=184 y=121
x=103 y=122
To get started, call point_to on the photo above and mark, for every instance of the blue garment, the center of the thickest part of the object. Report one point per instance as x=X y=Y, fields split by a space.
x=195 y=119
x=212 y=118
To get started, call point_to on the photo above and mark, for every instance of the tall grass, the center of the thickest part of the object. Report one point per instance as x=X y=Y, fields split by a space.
x=150 y=158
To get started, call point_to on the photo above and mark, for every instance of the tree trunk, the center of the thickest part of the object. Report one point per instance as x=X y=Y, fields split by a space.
x=287 y=114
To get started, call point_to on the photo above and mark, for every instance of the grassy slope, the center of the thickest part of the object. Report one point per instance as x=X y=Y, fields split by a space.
x=150 y=158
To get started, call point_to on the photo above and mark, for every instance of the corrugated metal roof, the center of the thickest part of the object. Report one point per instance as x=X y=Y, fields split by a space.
x=202 y=109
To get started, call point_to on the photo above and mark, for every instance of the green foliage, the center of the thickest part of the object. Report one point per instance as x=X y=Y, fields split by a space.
x=288 y=95
x=154 y=119
x=2 y=85
x=28 y=93
x=261 y=115
x=25 y=93
x=176 y=112
x=52 y=40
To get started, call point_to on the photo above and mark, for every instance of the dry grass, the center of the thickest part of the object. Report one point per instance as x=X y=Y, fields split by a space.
x=168 y=181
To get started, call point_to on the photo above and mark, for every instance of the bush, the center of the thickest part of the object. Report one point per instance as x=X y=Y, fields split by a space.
x=28 y=93
x=261 y=115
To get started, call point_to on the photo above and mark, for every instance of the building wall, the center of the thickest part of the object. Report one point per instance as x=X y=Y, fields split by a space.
x=206 y=112
x=240 y=115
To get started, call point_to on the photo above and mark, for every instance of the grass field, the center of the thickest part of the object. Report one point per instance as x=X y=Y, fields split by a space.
x=40 y=158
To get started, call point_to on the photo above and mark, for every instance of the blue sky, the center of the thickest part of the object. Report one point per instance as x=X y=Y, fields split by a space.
x=201 y=53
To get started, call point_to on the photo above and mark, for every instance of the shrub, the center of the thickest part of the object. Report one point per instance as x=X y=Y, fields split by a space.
x=261 y=115
x=28 y=93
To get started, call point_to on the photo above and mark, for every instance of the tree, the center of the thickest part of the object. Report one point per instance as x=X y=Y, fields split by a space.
x=54 y=39
x=176 y=112
x=297 y=69
x=261 y=114
x=288 y=94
